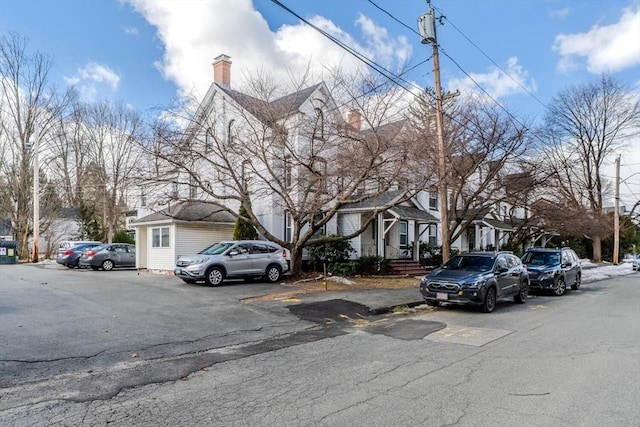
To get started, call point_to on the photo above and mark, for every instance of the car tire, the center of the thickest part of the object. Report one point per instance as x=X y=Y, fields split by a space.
x=107 y=265
x=561 y=286
x=273 y=273
x=489 y=303
x=431 y=303
x=189 y=281
x=523 y=294
x=576 y=286
x=214 y=276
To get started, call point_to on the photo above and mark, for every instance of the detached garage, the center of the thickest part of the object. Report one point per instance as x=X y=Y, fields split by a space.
x=183 y=229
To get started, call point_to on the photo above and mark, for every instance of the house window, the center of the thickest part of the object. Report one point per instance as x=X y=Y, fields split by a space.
x=432 y=236
x=287 y=171
x=143 y=198
x=322 y=231
x=174 y=190
x=160 y=237
x=288 y=227
x=404 y=233
x=433 y=199
x=318 y=131
x=230 y=137
x=193 y=189
x=317 y=174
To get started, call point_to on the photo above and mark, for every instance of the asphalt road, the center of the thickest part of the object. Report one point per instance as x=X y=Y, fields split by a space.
x=117 y=348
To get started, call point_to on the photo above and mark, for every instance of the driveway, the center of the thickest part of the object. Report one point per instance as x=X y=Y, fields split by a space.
x=57 y=320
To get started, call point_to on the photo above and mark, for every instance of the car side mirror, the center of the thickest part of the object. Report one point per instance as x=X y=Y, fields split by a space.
x=503 y=269
x=233 y=253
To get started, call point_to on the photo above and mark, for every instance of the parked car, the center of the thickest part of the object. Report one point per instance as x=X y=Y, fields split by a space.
x=477 y=278
x=71 y=257
x=109 y=256
x=233 y=259
x=68 y=244
x=553 y=269
x=635 y=264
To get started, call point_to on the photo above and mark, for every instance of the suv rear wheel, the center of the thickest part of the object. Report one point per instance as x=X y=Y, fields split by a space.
x=576 y=285
x=214 y=276
x=273 y=273
x=521 y=298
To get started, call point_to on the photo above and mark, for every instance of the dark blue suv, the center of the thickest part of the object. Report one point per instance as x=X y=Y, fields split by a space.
x=553 y=269
x=477 y=278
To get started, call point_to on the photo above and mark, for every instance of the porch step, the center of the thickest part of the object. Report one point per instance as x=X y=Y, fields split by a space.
x=408 y=267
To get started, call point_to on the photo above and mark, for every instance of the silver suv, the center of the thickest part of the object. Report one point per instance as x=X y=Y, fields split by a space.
x=233 y=259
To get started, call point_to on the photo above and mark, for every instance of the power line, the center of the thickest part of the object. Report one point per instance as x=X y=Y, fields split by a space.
x=393 y=17
x=493 y=62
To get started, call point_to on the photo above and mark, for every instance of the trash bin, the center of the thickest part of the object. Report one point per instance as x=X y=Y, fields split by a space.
x=8 y=252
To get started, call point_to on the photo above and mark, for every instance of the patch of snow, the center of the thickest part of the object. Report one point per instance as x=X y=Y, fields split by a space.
x=593 y=272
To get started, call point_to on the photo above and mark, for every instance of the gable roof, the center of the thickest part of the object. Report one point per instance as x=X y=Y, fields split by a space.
x=403 y=211
x=190 y=212
x=487 y=216
x=380 y=200
x=269 y=112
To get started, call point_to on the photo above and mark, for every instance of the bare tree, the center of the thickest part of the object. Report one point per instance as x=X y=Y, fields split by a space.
x=111 y=138
x=28 y=104
x=69 y=155
x=483 y=146
x=292 y=154
x=583 y=127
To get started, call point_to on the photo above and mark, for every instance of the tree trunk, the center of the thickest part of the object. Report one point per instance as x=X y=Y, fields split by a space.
x=597 y=249
x=296 y=260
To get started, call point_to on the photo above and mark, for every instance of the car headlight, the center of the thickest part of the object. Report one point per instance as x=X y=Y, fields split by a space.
x=548 y=274
x=477 y=284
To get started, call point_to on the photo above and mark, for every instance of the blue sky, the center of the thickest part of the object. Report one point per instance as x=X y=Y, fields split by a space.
x=145 y=52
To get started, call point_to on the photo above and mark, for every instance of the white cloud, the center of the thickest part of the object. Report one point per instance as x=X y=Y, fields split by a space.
x=388 y=51
x=606 y=48
x=90 y=79
x=496 y=82
x=194 y=33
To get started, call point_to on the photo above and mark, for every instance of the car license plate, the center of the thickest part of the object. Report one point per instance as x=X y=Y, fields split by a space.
x=178 y=271
x=442 y=295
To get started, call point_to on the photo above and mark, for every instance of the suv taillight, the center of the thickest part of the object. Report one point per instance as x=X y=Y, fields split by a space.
x=68 y=252
x=284 y=253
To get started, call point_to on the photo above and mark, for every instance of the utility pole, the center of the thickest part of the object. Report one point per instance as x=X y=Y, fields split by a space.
x=36 y=195
x=616 y=215
x=426 y=25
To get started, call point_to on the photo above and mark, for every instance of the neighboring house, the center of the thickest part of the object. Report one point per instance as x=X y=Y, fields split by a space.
x=395 y=233
x=484 y=229
x=6 y=230
x=186 y=228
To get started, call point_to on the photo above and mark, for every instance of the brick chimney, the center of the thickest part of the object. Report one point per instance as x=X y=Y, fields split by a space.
x=222 y=70
x=355 y=119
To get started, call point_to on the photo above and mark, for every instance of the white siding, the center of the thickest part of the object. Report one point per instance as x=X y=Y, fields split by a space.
x=347 y=224
x=161 y=258
x=192 y=240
